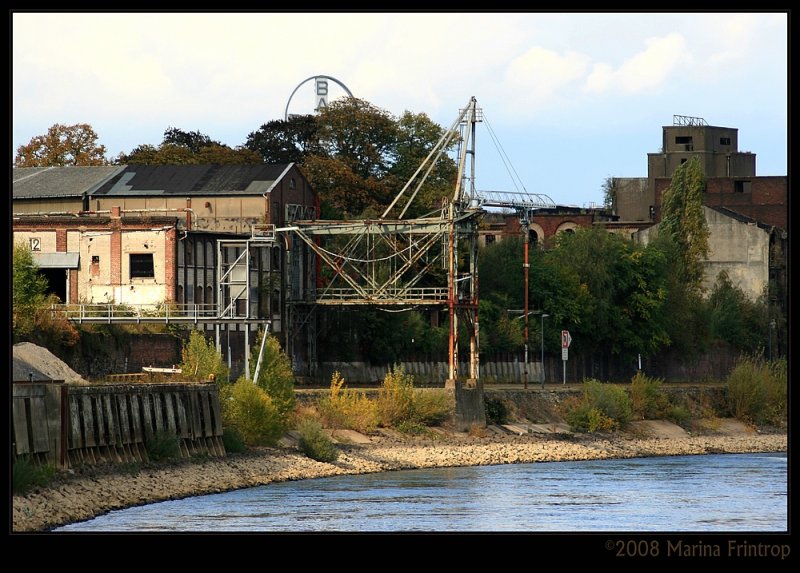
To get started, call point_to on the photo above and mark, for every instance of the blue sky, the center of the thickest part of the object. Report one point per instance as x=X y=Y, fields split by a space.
x=572 y=98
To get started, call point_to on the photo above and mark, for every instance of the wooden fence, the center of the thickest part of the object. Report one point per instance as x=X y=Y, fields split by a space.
x=69 y=425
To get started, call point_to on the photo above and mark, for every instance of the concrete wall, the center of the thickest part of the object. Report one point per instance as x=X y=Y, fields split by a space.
x=632 y=198
x=740 y=249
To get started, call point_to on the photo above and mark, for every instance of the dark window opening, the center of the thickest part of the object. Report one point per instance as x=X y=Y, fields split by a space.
x=570 y=231
x=56 y=282
x=533 y=237
x=490 y=239
x=686 y=141
x=683 y=161
x=95 y=270
x=292 y=183
x=142 y=266
x=724 y=140
x=741 y=186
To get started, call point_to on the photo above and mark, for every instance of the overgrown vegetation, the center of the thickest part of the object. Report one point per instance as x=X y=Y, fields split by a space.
x=249 y=410
x=27 y=475
x=397 y=403
x=496 y=411
x=347 y=408
x=757 y=391
x=648 y=400
x=602 y=407
x=162 y=446
x=200 y=360
x=315 y=443
x=275 y=374
x=232 y=440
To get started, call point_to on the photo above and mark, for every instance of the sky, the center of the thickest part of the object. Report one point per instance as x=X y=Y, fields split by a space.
x=568 y=99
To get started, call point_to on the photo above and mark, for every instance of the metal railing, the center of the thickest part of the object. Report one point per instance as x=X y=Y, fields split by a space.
x=397 y=295
x=136 y=313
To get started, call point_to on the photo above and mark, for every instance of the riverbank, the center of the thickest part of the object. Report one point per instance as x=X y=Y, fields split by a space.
x=84 y=493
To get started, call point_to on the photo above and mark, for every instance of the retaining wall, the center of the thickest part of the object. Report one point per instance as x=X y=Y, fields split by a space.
x=68 y=425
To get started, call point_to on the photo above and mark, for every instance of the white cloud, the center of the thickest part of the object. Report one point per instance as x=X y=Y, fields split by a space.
x=644 y=71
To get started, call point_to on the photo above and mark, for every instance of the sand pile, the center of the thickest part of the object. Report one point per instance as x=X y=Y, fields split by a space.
x=36 y=363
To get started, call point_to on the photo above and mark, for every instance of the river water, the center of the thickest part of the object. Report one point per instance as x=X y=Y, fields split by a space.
x=703 y=493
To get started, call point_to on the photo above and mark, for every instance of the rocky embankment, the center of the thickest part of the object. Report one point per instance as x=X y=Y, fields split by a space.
x=83 y=493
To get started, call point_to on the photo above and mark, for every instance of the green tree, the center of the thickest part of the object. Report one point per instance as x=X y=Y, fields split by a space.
x=200 y=359
x=275 y=374
x=251 y=413
x=736 y=319
x=62 y=145
x=609 y=192
x=28 y=292
x=32 y=320
x=683 y=221
x=289 y=141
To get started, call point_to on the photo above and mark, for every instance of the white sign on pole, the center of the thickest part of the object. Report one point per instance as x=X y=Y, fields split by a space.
x=564 y=354
x=566 y=339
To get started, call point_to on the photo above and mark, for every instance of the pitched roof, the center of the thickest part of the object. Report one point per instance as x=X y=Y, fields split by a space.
x=187 y=180
x=46 y=182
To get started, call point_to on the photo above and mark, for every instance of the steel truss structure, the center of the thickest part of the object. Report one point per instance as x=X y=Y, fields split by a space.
x=398 y=263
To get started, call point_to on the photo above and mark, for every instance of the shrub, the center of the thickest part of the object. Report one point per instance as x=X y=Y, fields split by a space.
x=232 y=440
x=431 y=407
x=250 y=411
x=26 y=475
x=162 y=446
x=315 y=443
x=496 y=411
x=757 y=391
x=275 y=374
x=679 y=414
x=345 y=408
x=200 y=360
x=648 y=401
x=396 y=397
x=409 y=427
x=603 y=407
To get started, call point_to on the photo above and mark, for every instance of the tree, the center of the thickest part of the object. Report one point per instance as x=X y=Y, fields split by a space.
x=28 y=291
x=609 y=192
x=289 y=141
x=62 y=145
x=275 y=374
x=188 y=148
x=683 y=221
x=200 y=359
x=32 y=320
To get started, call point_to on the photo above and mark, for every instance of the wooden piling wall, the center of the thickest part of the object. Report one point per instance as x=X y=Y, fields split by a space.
x=69 y=425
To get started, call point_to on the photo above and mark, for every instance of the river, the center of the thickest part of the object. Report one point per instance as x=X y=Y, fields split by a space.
x=702 y=493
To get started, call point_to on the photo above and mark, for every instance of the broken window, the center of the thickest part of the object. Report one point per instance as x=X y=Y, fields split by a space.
x=142 y=266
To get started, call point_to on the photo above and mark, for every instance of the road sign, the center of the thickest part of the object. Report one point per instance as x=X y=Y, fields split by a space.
x=566 y=339
x=565 y=353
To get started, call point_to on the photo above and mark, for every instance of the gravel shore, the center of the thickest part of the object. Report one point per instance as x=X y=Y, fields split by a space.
x=84 y=493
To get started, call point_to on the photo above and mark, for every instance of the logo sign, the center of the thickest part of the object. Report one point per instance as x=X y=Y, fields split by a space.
x=566 y=339
x=321 y=89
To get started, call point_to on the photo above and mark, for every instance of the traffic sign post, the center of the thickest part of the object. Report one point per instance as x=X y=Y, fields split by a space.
x=566 y=340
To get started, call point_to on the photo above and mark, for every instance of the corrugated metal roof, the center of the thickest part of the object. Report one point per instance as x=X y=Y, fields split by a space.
x=194 y=180
x=56 y=260
x=44 y=182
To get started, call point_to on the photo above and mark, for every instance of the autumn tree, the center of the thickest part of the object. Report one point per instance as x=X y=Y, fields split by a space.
x=62 y=145
x=188 y=148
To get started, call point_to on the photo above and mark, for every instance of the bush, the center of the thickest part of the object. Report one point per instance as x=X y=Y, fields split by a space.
x=200 y=360
x=26 y=475
x=496 y=411
x=431 y=407
x=275 y=374
x=679 y=414
x=162 y=446
x=648 y=401
x=757 y=391
x=396 y=397
x=248 y=409
x=315 y=443
x=345 y=408
x=603 y=407
x=232 y=440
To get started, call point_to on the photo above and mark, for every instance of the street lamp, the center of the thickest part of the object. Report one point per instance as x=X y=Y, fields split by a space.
x=542 y=371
